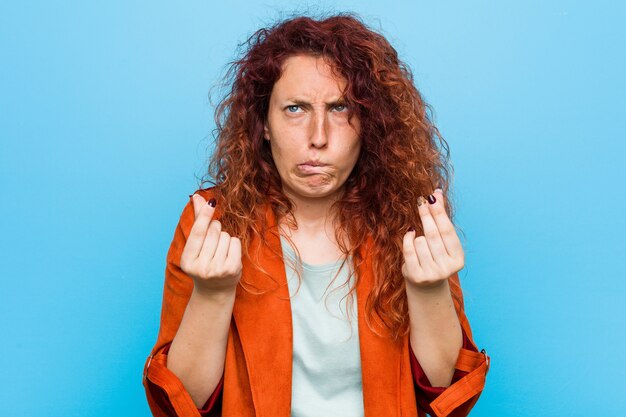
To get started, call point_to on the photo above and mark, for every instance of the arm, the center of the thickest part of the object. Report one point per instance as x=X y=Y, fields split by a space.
x=435 y=304
x=435 y=331
x=213 y=406
x=425 y=392
x=457 y=398
x=198 y=350
x=163 y=395
x=169 y=380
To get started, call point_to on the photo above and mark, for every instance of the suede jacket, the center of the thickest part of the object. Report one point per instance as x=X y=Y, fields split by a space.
x=257 y=370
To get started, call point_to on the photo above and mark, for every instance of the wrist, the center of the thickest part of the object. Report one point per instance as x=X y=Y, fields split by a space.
x=430 y=290
x=215 y=296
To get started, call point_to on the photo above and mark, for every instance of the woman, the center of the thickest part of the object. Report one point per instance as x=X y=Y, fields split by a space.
x=323 y=159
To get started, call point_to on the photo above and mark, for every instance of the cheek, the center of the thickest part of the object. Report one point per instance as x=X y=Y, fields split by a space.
x=349 y=157
x=353 y=150
x=356 y=152
x=282 y=154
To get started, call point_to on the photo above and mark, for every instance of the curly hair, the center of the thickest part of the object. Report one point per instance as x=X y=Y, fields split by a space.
x=399 y=159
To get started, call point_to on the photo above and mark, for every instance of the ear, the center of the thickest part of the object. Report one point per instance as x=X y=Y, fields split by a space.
x=266 y=132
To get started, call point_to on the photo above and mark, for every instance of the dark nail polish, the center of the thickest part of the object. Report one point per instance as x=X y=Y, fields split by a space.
x=212 y=202
x=431 y=199
x=411 y=229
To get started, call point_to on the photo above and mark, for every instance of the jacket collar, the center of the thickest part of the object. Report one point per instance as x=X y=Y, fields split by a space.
x=265 y=329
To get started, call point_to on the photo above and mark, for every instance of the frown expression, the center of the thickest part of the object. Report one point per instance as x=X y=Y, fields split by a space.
x=313 y=146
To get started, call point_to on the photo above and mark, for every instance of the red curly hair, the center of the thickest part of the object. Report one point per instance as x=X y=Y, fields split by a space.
x=399 y=159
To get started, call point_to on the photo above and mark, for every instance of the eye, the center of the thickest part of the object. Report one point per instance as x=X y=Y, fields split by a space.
x=341 y=107
x=290 y=107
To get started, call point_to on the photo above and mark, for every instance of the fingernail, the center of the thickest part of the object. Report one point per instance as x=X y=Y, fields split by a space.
x=212 y=202
x=439 y=189
x=411 y=229
x=431 y=199
x=420 y=200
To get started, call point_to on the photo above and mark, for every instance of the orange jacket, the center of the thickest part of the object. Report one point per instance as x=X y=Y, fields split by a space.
x=257 y=370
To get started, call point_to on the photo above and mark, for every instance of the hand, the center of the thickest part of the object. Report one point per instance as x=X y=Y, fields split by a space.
x=211 y=257
x=431 y=259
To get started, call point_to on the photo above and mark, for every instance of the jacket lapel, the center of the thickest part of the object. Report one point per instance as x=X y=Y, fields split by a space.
x=264 y=325
x=265 y=329
x=380 y=356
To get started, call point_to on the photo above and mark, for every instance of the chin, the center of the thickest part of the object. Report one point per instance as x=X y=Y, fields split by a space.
x=314 y=190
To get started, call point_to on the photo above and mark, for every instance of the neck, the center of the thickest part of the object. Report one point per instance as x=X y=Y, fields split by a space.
x=313 y=215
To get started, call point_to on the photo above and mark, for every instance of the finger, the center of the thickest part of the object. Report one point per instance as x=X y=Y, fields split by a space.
x=198 y=202
x=211 y=241
x=448 y=234
x=431 y=233
x=198 y=232
x=233 y=260
x=426 y=260
x=221 y=252
x=408 y=250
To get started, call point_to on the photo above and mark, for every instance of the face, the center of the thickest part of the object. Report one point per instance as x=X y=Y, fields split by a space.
x=313 y=145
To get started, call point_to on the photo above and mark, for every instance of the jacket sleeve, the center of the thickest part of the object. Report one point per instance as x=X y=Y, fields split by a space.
x=166 y=395
x=469 y=376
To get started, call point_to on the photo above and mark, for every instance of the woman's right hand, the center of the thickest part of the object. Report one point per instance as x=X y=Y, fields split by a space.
x=211 y=257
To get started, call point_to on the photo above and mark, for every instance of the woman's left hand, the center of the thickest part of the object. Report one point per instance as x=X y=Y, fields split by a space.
x=431 y=259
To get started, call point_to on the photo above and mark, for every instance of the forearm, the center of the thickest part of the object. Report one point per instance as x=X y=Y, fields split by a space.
x=198 y=351
x=435 y=331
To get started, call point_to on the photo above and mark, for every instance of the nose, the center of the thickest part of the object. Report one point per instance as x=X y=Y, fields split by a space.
x=319 y=134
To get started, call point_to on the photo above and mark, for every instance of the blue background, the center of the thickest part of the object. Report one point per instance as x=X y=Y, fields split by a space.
x=105 y=124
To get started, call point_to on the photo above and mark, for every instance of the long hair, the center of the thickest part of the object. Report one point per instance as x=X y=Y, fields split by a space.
x=399 y=161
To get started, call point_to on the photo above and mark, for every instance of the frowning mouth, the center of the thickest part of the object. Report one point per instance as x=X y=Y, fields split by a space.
x=311 y=167
x=314 y=163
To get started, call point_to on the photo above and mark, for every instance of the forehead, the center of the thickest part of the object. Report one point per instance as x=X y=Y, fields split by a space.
x=308 y=77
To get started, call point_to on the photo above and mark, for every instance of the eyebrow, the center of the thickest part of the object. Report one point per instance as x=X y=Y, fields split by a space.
x=300 y=102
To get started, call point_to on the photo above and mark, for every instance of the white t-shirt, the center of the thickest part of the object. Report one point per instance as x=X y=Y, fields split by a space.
x=326 y=356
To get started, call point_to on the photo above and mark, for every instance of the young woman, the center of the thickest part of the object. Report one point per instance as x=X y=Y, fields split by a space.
x=313 y=277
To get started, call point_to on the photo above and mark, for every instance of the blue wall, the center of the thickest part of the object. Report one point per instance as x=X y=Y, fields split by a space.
x=104 y=126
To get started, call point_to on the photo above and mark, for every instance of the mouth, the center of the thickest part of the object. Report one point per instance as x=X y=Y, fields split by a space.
x=314 y=163
x=311 y=167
